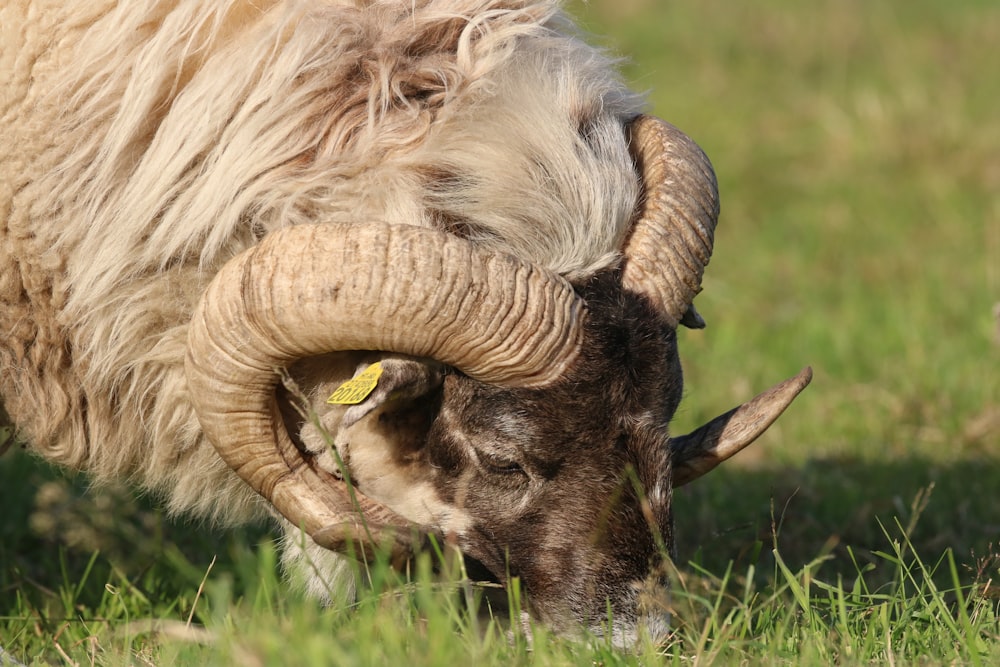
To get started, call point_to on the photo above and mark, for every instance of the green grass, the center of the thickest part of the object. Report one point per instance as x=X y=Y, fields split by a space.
x=858 y=152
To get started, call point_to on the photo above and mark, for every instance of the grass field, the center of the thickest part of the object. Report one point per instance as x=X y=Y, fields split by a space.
x=858 y=151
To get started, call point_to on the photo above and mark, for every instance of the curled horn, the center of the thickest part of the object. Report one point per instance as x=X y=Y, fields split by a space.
x=665 y=256
x=701 y=450
x=313 y=289
x=671 y=241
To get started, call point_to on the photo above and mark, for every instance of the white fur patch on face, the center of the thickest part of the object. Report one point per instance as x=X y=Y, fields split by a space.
x=421 y=504
x=375 y=465
x=400 y=489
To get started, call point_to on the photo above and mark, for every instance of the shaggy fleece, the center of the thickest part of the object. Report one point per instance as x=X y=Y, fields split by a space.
x=146 y=142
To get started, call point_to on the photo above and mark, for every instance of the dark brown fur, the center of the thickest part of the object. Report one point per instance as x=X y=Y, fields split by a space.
x=567 y=487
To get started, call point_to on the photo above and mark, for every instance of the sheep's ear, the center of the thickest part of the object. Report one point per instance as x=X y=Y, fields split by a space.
x=692 y=319
x=391 y=384
x=379 y=416
x=393 y=404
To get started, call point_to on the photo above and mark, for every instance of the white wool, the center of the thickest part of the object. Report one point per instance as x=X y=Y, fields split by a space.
x=147 y=142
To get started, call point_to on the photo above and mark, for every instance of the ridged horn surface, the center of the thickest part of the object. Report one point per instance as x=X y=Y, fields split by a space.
x=312 y=289
x=701 y=450
x=671 y=241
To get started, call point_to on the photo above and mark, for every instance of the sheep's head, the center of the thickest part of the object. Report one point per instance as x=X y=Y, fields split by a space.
x=528 y=419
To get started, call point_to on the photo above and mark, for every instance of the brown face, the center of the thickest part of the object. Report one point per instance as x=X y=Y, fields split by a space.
x=566 y=488
x=555 y=504
x=545 y=455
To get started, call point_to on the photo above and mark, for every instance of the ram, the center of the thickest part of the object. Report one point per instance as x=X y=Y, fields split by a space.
x=214 y=214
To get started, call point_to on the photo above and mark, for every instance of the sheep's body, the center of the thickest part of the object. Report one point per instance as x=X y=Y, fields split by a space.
x=147 y=142
x=440 y=169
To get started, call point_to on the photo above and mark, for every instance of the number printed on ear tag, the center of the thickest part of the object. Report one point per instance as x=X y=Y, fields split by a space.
x=357 y=388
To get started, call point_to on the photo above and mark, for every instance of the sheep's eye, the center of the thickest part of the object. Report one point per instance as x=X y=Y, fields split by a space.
x=500 y=465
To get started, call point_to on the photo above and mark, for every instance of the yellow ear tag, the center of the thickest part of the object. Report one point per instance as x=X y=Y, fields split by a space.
x=357 y=388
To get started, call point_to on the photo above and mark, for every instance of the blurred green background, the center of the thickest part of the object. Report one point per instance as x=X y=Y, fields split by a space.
x=857 y=146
